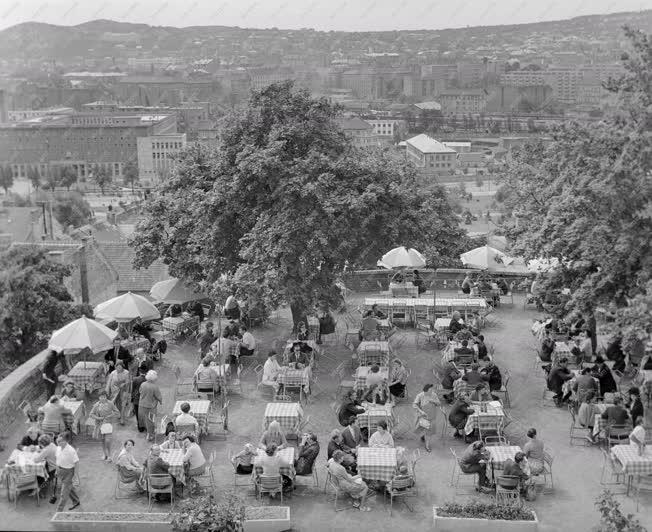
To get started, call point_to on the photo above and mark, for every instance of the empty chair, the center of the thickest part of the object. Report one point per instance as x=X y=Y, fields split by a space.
x=20 y=483
x=270 y=485
x=401 y=486
x=507 y=490
x=577 y=431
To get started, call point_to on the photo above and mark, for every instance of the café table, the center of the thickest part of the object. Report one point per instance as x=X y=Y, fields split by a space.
x=179 y=323
x=377 y=463
x=561 y=351
x=485 y=414
x=22 y=463
x=295 y=378
x=87 y=375
x=288 y=415
x=287 y=455
x=499 y=454
x=133 y=344
x=222 y=372
x=174 y=459
x=633 y=463
x=199 y=409
x=373 y=352
x=442 y=323
x=375 y=413
x=362 y=372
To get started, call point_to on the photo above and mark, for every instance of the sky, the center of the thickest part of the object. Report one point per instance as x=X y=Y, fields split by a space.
x=346 y=15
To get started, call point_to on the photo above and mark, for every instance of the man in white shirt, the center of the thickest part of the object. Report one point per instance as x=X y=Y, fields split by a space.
x=184 y=419
x=193 y=459
x=248 y=342
x=637 y=436
x=67 y=460
x=225 y=349
x=270 y=371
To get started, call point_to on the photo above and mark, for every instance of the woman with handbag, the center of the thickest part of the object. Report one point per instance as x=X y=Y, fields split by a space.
x=426 y=404
x=118 y=388
x=102 y=413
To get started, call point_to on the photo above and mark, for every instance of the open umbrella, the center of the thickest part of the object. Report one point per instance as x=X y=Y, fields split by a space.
x=402 y=257
x=542 y=264
x=174 y=291
x=492 y=260
x=126 y=308
x=83 y=333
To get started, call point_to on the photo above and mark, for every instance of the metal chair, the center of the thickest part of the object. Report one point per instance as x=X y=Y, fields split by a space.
x=20 y=483
x=217 y=419
x=332 y=482
x=236 y=475
x=643 y=483
x=457 y=473
x=489 y=426
x=344 y=383
x=270 y=485
x=575 y=429
x=399 y=487
x=183 y=387
x=207 y=478
x=503 y=391
x=496 y=441
x=613 y=467
x=508 y=489
x=547 y=469
x=207 y=388
x=121 y=482
x=159 y=484
x=617 y=434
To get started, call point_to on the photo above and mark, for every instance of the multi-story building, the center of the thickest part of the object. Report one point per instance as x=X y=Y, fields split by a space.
x=164 y=90
x=360 y=132
x=26 y=114
x=79 y=141
x=387 y=127
x=156 y=154
x=151 y=64
x=264 y=76
x=463 y=101
x=430 y=156
x=459 y=147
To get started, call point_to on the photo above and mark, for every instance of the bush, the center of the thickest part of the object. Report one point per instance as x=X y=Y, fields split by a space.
x=482 y=510
x=204 y=514
x=612 y=519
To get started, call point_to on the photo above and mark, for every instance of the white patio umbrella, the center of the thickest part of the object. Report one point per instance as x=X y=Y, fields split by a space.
x=83 y=333
x=126 y=308
x=492 y=260
x=174 y=291
x=402 y=257
x=542 y=264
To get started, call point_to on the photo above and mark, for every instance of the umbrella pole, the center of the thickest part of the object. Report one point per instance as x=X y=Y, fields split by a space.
x=434 y=297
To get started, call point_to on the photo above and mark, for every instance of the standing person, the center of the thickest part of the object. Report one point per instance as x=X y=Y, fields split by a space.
x=418 y=282
x=150 y=398
x=398 y=379
x=602 y=372
x=49 y=372
x=232 y=308
x=102 y=413
x=67 y=460
x=117 y=388
x=248 y=342
x=426 y=404
x=206 y=340
x=556 y=379
x=466 y=284
x=135 y=393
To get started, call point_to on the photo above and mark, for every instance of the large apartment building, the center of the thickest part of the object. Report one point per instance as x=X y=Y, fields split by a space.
x=430 y=156
x=462 y=101
x=156 y=155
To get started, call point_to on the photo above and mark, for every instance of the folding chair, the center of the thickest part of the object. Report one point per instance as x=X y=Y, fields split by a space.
x=399 y=488
x=576 y=431
x=508 y=490
x=121 y=482
x=270 y=485
x=503 y=391
x=18 y=483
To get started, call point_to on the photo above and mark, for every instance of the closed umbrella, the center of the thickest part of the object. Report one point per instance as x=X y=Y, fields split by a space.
x=402 y=257
x=174 y=291
x=126 y=308
x=83 y=333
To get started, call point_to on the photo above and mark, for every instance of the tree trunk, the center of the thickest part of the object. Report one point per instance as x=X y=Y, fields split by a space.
x=298 y=314
x=591 y=326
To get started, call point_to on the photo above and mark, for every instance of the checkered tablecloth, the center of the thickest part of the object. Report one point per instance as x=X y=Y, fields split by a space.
x=199 y=408
x=179 y=323
x=313 y=327
x=375 y=413
x=403 y=290
x=362 y=372
x=561 y=351
x=442 y=323
x=494 y=415
x=174 y=458
x=132 y=345
x=287 y=455
x=24 y=464
x=294 y=377
x=87 y=375
x=460 y=386
x=288 y=415
x=632 y=463
x=501 y=453
x=78 y=413
x=376 y=463
x=369 y=353
x=222 y=373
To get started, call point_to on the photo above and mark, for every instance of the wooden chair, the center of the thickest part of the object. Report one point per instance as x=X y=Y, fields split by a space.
x=121 y=482
x=503 y=391
x=270 y=485
x=18 y=483
x=399 y=488
x=508 y=490
x=159 y=484
x=576 y=431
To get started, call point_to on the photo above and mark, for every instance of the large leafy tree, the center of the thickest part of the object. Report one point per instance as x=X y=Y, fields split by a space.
x=101 y=177
x=33 y=302
x=285 y=203
x=130 y=172
x=67 y=177
x=72 y=209
x=586 y=198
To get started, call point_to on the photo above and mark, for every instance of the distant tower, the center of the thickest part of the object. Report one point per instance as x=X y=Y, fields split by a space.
x=3 y=107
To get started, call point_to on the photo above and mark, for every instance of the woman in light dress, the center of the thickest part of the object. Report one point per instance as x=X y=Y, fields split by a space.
x=426 y=403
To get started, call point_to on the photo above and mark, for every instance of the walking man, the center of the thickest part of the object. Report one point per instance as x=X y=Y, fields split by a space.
x=67 y=460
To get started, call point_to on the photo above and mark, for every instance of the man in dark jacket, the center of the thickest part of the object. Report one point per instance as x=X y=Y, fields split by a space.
x=349 y=408
x=449 y=375
x=474 y=377
x=206 y=340
x=135 y=392
x=635 y=405
x=556 y=379
x=492 y=374
x=308 y=452
x=460 y=411
x=602 y=372
x=49 y=372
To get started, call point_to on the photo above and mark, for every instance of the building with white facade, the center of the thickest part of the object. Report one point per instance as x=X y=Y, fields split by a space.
x=386 y=127
x=156 y=155
x=430 y=156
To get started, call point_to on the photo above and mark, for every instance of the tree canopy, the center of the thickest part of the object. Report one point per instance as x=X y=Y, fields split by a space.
x=586 y=198
x=72 y=209
x=284 y=204
x=33 y=302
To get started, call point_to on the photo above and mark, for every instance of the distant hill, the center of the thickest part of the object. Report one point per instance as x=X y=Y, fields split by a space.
x=99 y=38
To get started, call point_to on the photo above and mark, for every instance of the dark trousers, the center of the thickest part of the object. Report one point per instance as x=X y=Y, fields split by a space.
x=51 y=387
x=67 y=489
x=244 y=352
x=480 y=469
x=140 y=424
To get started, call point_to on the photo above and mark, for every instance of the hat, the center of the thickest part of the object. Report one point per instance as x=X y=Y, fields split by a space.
x=151 y=375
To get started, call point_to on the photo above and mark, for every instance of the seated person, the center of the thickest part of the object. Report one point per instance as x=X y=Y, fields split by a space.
x=481 y=348
x=271 y=369
x=171 y=442
x=492 y=375
x=69 y=391
x=467 y=284
x=481 y=394
x=474 y=460
x=273 y=436
x=635 y=404
x=473 y=377
x=547 y=347
x=418 y=281
x=193 y=459
x=307 y=454
x=155 y=465
x=450 y=374
x=244 y=460
x=232 y=308
x=376 y=394
x=382 y=437
x=174 y=310
x=47 y=453
x=398 y=378
x=587 y=410
x=637 y=436
x=459 y=413
x=352 y=435
x=616 y=416
x=464 y=349
x=584 y=383
x=377 y=313
x=473 y=324
x=349 y=407
x=602 y=372
x=30 y=439
x=303 y=334
x=131 y=470
x=517 y=468
x=456 y=324
x=369 y=328
x=225 y=349
x=397 y=278
x=352 y=485
x=186 y=419
x=556 y=379
x=534 y=453
x=403 y=474
x=271 y=464
x=205 y=378
x=374 y=376
x=298 y=355
x=336 y=443
x=248 y=342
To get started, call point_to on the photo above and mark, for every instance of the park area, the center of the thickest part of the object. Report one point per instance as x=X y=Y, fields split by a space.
x=565 y=499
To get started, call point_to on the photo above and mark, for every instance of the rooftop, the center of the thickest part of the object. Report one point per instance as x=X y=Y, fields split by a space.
x=353 y=123
x=426 y=144
x=121 y=256
x=428 y=106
